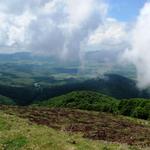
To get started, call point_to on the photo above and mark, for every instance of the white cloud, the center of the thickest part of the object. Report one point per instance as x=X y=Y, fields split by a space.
x=49 y=26
x=111 y=35
x=17 y=31
x=139 y=54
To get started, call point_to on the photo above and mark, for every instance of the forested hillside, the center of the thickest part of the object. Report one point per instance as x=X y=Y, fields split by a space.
x=111 y=85
x=87 y=100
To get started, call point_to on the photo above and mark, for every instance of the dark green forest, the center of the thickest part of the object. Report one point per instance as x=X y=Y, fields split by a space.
x=111 y=85
x=26 y=79
x=87 y=100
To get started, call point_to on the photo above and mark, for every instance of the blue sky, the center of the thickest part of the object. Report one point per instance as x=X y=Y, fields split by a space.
x=125 y=10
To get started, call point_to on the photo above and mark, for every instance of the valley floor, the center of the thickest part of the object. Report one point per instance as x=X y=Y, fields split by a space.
x=34 y=128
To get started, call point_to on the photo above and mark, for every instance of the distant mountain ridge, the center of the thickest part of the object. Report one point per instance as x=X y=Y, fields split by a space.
x=92 y=56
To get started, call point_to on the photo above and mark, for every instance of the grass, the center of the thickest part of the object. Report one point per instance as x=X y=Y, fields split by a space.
x=4 y=125
x=16 y=143
x=23 y=135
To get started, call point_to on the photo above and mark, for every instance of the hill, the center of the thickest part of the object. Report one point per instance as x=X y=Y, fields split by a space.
x=87 y=100
x=67 y=129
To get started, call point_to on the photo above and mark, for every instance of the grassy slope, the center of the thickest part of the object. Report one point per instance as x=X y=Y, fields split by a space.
x=69 y=124
x=19 y=134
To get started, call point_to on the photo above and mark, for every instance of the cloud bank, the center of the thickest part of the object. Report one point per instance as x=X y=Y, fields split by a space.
x=59 y=27
x=139 y=54
x=49 y=26
x=111 y=35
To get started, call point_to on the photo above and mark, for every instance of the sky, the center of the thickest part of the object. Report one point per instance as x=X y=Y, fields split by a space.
x=125 y=10
x=66 y=27
x=69 y=28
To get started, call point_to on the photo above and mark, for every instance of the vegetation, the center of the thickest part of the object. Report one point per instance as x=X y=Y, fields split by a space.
x=6 y=101
x=23 y=135
x=25 y=79
x=25 y=69
x=136 y=107
x=84 y=100
x=87 y=100
x=112 y=85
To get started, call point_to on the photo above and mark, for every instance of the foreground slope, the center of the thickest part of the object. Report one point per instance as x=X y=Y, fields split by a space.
x=19 y=134
x=72 y=126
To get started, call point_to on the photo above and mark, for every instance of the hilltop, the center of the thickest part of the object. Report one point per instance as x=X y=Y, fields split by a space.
x=89 y=100
x=86 y=100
